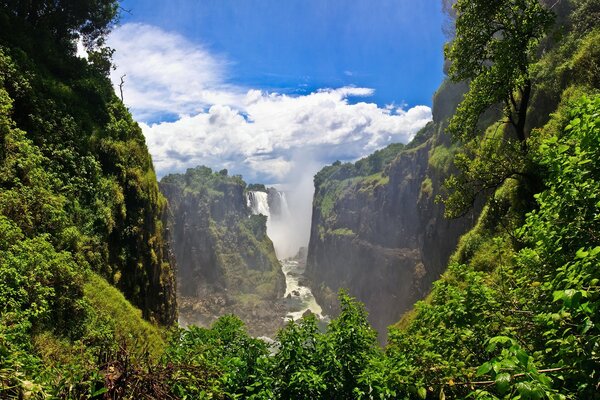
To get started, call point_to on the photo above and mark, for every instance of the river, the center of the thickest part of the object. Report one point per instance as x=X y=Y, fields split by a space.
x=298 y=297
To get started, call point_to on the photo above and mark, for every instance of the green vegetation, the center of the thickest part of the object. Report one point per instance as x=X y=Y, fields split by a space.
x=531 y=64
x=343 y=232
x=371 y=165
x=256 y=187
x=80 y=211
x=129 y=326
x=242 y=256
x=426 y=188
x=334 y=181
x=441 y=159
x=494 y=46
x=504 y=314
x=515 y=315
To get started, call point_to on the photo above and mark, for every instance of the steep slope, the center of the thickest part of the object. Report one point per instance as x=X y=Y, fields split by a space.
x=98 y=167
x=376 y=228
x=226 y=262
x=80 y=211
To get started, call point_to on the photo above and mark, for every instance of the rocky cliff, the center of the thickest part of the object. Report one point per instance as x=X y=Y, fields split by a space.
x=225 y=260
x=376 y=227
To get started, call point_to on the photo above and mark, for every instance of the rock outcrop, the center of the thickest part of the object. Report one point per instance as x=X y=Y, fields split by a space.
x=222 y=250
x=376 y=227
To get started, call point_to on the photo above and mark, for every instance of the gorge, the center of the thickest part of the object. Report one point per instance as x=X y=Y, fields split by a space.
x=473 y=249
x=376 y=231
x=226 y=261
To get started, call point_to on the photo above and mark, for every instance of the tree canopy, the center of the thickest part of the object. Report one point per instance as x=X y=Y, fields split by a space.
x=66 y=19
x=495 y=43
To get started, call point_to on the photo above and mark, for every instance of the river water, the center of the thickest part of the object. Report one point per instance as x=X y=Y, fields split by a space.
x=298 y=297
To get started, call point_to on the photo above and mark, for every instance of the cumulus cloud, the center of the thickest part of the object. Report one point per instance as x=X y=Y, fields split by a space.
x=265 y=136
x=191 y=116
x=168 y=74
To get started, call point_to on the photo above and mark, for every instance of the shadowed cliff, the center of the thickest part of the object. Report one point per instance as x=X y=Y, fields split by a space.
x=225 y=260
x=376 y=227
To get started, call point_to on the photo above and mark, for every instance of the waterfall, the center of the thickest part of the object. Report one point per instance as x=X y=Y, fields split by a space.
x=259 y=203
x=281 y=226
x=284 y=210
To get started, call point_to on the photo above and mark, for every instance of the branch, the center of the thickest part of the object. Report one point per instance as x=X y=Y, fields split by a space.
x=555 y=3
x=121 y=8
x=513 y=101
x=121 y=85
x=540 y=371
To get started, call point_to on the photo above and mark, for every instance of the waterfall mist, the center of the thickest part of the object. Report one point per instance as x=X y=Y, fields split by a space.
x=291 y=230
x=289 y=225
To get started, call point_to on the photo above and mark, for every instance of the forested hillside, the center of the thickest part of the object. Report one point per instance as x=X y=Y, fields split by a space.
x=226 y=262
x=80 y=211
x=377 y=229
x=87 y=288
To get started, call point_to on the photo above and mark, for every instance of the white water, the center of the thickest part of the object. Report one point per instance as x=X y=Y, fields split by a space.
x=285 y=209
x=259 y=203
x=298 y=298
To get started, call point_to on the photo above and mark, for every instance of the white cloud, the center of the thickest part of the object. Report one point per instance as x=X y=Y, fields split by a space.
x=265 y=136
x=166 y=73
x=275 y=128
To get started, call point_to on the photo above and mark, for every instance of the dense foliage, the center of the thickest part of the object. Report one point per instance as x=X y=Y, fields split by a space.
x=373 y=164
x=79 y=204
x=226 y=262
x=515 y=316
x=518 y=64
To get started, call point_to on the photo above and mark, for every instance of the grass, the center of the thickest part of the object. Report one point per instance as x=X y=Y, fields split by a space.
x=426 y=188
x=441 y=158
x=127 y=320
x=371 y=182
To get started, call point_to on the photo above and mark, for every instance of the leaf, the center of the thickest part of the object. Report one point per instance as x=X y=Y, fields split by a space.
x=442 y=394
x=99 y=392
x=498 y=340
x=503 y=382
x=422 y=392
x=522 y=357
x=484 y=369
x=545 y=380
x=581 y=253
x=558 y=295
x=524 y=389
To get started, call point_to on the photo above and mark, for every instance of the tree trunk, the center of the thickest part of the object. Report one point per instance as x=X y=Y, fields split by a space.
x=522 y=114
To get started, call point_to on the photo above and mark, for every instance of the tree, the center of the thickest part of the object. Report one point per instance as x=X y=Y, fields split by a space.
x=66 y=19
x=494 y=46
x=495 y=43
x=348 y=348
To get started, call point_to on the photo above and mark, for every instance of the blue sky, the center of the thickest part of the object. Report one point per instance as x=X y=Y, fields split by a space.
x=276 y=89
x=297 y=46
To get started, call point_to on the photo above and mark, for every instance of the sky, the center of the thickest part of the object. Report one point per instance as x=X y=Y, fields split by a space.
x=275 y=89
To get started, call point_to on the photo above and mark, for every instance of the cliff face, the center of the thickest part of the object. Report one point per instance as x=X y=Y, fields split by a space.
x=376 y=228
x=225 y=260
x=97 y=196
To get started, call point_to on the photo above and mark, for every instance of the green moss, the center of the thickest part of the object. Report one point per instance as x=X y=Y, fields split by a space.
x=369 y=183
x=343 y=232
x=329 y=194
x=426 y=188
x=441 y=158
